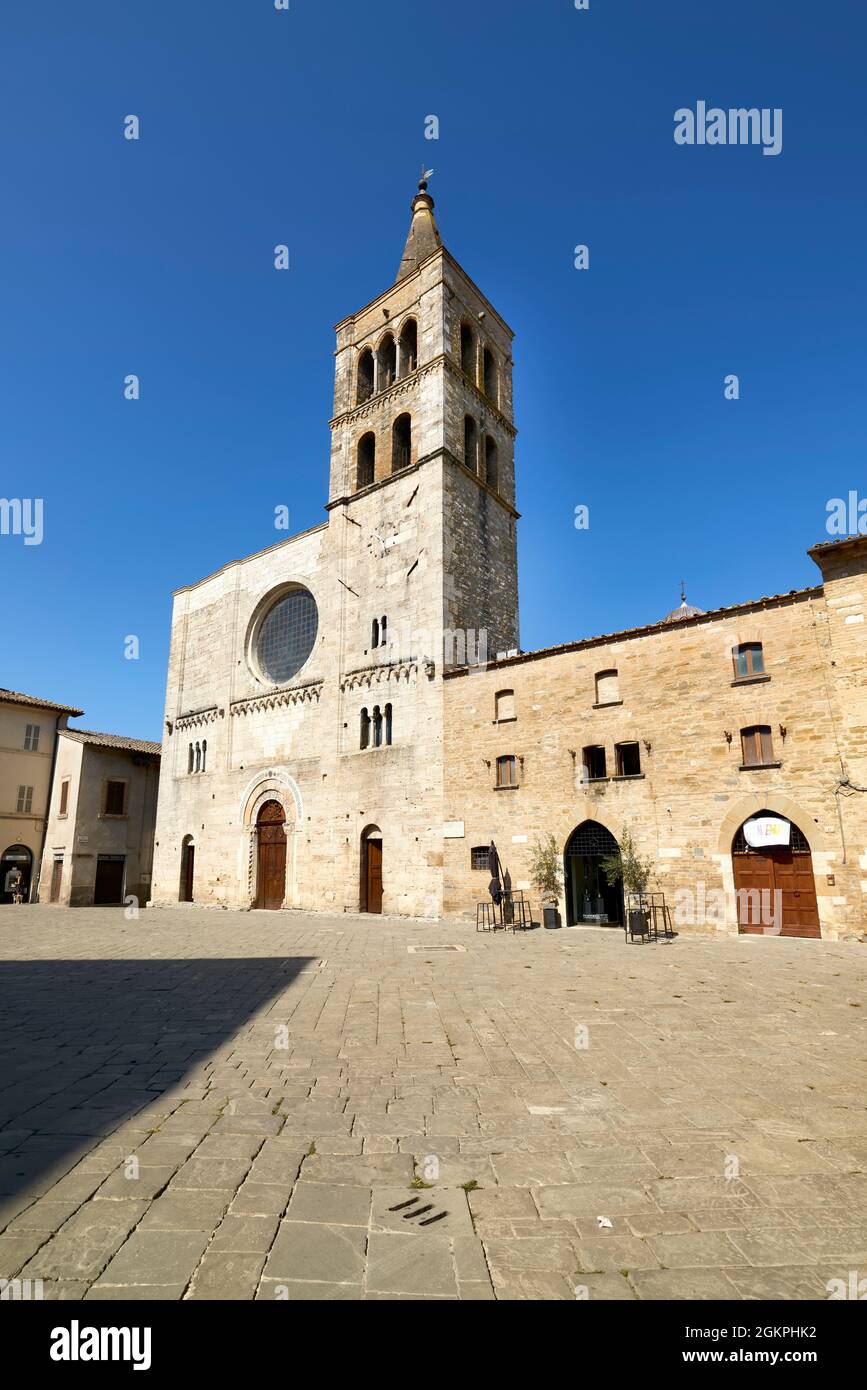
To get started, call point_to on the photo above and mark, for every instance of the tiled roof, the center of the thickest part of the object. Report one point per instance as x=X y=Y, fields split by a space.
x=665 y=625
x=15 y=697
x=129 y=745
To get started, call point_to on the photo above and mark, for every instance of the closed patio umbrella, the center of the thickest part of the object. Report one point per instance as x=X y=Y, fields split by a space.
x=495 y=887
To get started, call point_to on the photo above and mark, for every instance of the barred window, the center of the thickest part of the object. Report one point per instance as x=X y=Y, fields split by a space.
x=480 y=857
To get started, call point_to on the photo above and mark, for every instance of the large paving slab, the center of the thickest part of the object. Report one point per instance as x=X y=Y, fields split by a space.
x=217 y=1105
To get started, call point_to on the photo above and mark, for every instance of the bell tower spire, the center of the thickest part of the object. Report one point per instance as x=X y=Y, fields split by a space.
x=423 y=238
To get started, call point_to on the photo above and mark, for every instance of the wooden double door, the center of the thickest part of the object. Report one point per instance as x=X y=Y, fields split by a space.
x=271 y=824
x=770 y=871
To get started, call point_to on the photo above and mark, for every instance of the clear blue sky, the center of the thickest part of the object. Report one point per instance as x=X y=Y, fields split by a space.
x=306 y=127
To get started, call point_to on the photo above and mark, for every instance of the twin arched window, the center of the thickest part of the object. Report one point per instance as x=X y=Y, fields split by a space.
x=379 y=632
x=401 y=451
x=375 y=727
x=470 y=364
x=197 y=756
x=377 y=371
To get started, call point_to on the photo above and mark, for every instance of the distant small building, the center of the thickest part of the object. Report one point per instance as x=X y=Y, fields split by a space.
x=99 y=842
x=29 y=729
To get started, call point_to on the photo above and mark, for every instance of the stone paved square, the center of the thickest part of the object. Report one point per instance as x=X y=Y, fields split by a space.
x=227 y=1105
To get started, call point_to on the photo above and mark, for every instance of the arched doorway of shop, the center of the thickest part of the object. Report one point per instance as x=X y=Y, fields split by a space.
x=15 y=857
x=371 y=870
x=774 y=882
x=590 y=899
x=271 y=881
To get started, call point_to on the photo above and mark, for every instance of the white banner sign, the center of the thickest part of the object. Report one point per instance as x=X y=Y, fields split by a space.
x=763 y=831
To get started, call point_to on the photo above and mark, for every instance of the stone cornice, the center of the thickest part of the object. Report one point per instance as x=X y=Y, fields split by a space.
x=194 y=718
x=403 y=384
x=388 y=672
x=398 y=388
x=274 y=699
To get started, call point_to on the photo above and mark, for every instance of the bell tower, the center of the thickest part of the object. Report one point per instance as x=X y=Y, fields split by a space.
x=422 y=451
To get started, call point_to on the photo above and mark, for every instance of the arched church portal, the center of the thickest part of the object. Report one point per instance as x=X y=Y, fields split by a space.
x=271 y=876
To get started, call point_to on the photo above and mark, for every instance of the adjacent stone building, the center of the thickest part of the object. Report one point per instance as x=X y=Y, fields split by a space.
x=680 y=733
x=29 y=729
x=99 y=840
x=350 y=722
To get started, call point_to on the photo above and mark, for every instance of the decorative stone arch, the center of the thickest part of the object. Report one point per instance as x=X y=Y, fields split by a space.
x=588 y=895
x=822 y=847
x=780 y=805
x=277 y=784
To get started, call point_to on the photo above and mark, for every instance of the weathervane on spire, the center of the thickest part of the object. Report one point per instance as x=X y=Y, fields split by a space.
x=425 y=175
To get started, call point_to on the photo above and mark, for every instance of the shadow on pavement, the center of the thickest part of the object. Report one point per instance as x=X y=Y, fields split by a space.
x=85 y=1044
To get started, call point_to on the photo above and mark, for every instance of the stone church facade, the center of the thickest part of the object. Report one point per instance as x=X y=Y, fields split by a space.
x=350 y=721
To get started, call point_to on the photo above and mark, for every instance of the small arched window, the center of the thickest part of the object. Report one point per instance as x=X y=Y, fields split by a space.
x=490 y=462
x=364 y=738
x=374 y=633
x=386 y=363
x=401 y=443
x=749 y=660
x=190 y=761
x=607 y=687
x=504 y=705
x=377 y=727
x=388 y=724
x=489 y=370
x=468 y=352
x=366 y=461
x=204 y=753
x=198 y=758
x=383 y=631
x=470 y=446
x=364 y=377
x=408 y=348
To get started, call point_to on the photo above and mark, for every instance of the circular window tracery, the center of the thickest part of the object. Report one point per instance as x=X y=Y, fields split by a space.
x=286 y=635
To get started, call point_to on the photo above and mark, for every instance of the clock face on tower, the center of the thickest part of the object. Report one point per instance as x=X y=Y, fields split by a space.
x=383 y=537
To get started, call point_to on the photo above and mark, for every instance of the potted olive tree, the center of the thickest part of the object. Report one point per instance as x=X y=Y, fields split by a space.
x=546 y=876
x=634 y=873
